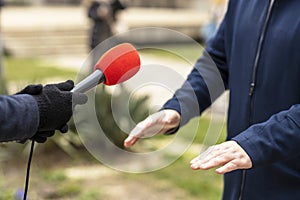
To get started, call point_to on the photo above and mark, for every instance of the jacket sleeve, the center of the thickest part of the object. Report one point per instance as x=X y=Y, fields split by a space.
x=274 y=140
x=19 y=117
x=207 y=80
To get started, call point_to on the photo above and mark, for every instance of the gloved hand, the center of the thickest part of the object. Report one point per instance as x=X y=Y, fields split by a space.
x=31 y=89
x=55 y=107
x=40 y=136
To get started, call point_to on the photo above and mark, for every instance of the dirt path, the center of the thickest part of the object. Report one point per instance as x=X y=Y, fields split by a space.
x=57 y=176
x=114 y=185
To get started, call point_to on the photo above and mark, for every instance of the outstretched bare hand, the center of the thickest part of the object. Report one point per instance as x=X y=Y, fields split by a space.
x=160 y=122
x=229 y=155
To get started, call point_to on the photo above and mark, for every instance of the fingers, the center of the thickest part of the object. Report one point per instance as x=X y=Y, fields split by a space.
x=210 y=158
x=64 y=128
x=40 y=139
x=130 y=141
x=228 y=167
x=41 y=136
x=151 y=126
x=37 y=89
x=139 y=131
x=156 y=123
x=229 y=155
x=45 y=133
x=65 y=86
x=32 y=89
x=146 y=128
x=79 y=98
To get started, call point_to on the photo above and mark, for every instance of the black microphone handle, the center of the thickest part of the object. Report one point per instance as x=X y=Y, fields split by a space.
x=89 y=82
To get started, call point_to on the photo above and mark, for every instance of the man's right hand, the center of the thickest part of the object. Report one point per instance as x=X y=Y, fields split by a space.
x=161 y=122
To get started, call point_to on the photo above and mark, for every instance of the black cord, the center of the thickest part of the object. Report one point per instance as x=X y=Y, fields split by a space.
x=28 y=170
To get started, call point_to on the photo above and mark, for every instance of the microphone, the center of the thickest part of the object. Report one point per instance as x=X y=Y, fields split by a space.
x=115 y=66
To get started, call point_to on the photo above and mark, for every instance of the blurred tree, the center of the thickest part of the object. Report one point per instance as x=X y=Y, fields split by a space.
x=137 y=106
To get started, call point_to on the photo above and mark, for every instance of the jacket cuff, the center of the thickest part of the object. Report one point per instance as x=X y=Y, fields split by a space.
x=42 y=107
x=26 y=123
x=246 y=141
x=173 y=104
x=173 y=130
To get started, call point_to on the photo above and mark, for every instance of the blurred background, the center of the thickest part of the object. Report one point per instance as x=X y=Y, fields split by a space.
x=46 y=41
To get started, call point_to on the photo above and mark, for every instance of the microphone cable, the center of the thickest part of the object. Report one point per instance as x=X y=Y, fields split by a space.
x=28 y=170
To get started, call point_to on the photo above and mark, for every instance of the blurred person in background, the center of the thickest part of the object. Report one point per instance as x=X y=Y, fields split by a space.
x=256 y=52
x=100 y=14
x=103 y=14
x=117 y=6
x=2 y=3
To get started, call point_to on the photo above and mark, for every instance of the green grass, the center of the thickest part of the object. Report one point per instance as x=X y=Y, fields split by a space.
x=33 y=70
x=201 y=185
x=69 y=189
x=54 y=176
x=209 y=132
x=190 y=52
x=90 y=195
x=198 y=184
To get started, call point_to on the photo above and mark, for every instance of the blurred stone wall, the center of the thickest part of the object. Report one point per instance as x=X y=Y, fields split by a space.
x=40 y=2
x=165 y=3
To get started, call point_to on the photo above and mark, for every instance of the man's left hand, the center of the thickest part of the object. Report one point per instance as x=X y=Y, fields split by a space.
x=229 y=155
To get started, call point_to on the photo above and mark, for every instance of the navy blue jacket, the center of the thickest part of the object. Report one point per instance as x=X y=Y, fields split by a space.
x=257 y=52
x=19 y=117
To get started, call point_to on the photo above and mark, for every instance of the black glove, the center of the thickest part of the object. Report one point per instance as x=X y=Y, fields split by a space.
x=39 y=136
x=55 y=107
x=31 y=89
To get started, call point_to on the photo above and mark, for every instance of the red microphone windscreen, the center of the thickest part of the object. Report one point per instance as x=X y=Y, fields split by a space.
x=119 y=64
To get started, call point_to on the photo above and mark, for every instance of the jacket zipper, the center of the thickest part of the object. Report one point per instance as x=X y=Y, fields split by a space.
x=254 y=73
x=259 y=48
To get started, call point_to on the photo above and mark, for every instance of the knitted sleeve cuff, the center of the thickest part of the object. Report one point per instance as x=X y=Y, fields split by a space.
x=42 y=105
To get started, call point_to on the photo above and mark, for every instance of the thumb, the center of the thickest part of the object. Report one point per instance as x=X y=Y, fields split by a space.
x=79 y=98
x=65 y=86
